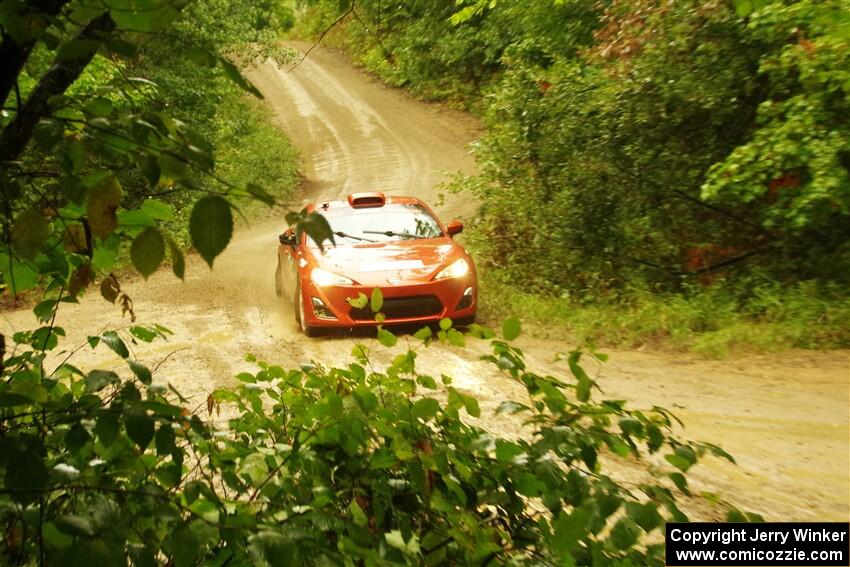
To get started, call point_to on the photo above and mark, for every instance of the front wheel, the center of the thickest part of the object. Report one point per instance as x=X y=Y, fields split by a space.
x=300 y=318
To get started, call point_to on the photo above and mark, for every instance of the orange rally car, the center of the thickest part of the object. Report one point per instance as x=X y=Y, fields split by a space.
x=394 y=243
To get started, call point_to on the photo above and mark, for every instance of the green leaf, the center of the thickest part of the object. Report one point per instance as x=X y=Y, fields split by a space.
x=185 y=545
x=686 y=453
x=44 y=310
x=471 y=405
x=315 y=225
x=511 y=328
x=97 y=380
x=102 y=206
x=506 y=450
x=678 y=462
x=396 y=539
x=147 y=251
x=232 y=72
x=29 y=233
x=425 y=408
x=75 y=526
x=171 y=168
x=144 y=334
x=589 y=456
x=377 y=300
x=135 y=219
x=99 y=106
x=141 y=371
x=630 y=426
x=718 y=452
x=358 y=302
x=645 y=515
x=76 y=438
x=48 y=133
x=680 y=481
x=656 y=437
x=107 y=427
x=275 y=548
x=211 y=226
x=423 y=334
x=17 y=276
x=46 y=338
x=106 y=253
x=113 y=341
x=140 y=428
x=528 y=484
x=625 y=533
x=570 y=529
x=584 y=382
x=157 y=209
x=165 y=440
x=178 y=262
x=192 y=490
x=583 y=389
x=445 y=324
x=456 y=337
x=386 y=338
x=427 y=382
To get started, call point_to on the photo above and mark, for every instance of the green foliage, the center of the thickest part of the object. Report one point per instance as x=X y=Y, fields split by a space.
x=801 y=147
x=87 y=137
x=755 y=314
x=636 y=144
x=352 y=464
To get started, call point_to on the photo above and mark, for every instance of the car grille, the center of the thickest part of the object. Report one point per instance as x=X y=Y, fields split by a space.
x=401 y=308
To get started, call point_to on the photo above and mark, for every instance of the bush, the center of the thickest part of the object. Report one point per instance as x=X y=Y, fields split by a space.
x=349 y=464
x=718 y=320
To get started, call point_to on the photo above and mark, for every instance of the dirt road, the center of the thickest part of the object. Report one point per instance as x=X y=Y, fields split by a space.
x=784 y=416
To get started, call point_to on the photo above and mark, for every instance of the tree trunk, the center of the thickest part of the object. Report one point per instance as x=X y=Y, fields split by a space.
x=55 y=81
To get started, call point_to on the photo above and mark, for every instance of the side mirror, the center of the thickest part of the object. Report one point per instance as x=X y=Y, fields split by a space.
x=454 y=227
x=287 y=239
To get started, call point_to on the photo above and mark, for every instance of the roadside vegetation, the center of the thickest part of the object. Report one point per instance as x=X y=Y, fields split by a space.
x=124 y=133
x=673 y=174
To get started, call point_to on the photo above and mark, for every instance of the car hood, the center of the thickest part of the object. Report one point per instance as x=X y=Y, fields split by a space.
x=397 y=262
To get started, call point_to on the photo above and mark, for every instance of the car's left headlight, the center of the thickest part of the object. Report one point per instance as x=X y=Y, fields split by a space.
x=456 y=269
x=323 y=278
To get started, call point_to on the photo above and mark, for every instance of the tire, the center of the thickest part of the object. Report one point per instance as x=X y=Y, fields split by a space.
x=308 y=330
x=278 y=279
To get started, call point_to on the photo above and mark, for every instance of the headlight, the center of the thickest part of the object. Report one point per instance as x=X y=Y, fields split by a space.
x=457 y=269
x=323 y=278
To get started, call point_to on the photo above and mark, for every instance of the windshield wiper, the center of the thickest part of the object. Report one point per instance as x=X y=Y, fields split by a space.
x=346 y=235
x=392 y=233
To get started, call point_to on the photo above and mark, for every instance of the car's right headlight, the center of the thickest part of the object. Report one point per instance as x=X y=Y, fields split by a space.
x=456 y=269
x=324 y=278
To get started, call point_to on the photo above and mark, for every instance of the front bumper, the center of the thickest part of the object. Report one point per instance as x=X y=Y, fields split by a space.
x=417 y=303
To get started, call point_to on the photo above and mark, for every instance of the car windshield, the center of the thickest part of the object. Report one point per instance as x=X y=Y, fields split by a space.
x=393 y=221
